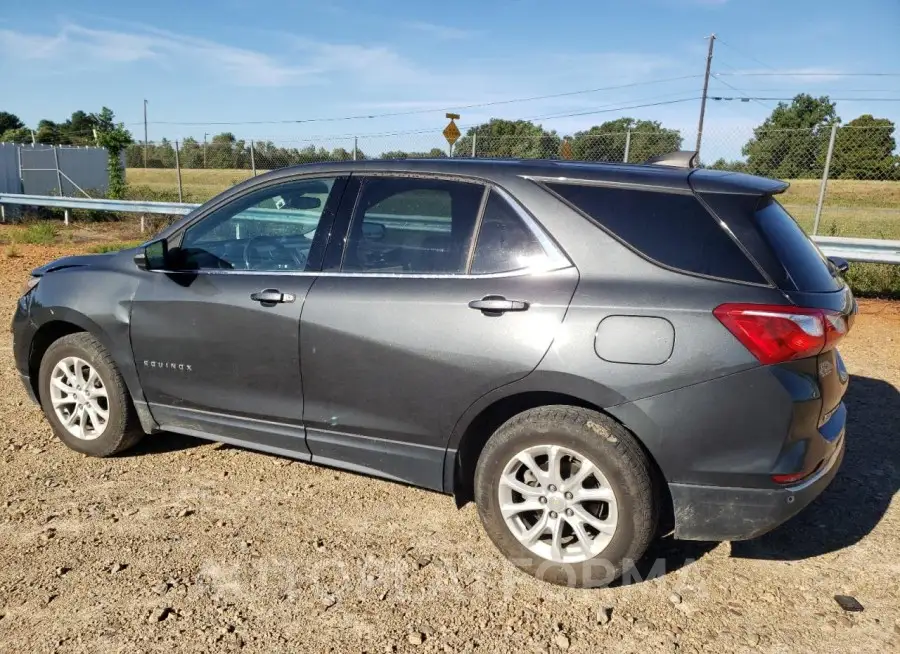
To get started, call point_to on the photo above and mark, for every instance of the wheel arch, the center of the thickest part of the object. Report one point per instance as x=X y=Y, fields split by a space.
x=485 y=416
x=56 y=322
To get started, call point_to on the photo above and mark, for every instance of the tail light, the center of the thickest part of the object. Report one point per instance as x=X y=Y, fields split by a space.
x=777 y=333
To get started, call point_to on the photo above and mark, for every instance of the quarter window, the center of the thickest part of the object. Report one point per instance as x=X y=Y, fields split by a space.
x=669 y=228
x=408 y=225
x=504 y=242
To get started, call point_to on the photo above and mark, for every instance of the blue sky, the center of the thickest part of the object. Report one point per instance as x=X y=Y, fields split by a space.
x=271 y=60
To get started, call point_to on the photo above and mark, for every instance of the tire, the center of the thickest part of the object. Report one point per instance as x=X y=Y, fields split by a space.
x=122 y=428
x=624 y=468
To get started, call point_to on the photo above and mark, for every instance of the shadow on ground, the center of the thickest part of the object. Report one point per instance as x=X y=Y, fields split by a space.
x=845 y=513
x=854 y=503
x=162 y=442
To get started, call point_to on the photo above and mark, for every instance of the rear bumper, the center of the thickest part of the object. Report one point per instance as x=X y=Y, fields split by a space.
x=719 y=513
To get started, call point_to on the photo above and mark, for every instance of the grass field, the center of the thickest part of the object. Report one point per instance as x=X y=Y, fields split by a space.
x=852 y=208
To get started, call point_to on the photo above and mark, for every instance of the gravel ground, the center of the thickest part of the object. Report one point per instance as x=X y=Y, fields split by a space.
x=189 y=546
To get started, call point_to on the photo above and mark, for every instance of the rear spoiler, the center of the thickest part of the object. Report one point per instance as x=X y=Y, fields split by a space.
x=718 y=181
x=678 y=159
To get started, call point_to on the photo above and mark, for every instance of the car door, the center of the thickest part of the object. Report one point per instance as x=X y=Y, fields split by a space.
x=215 y=336
x=444 y=290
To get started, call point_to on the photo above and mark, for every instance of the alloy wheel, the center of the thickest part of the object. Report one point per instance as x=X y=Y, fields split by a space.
x=79 y=398
x=558 y=504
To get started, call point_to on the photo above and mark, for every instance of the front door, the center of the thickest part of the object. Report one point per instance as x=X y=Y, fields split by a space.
x=420 y=321
x=216 y=338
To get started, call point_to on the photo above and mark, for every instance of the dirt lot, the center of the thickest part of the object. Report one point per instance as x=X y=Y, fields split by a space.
x=187 y=546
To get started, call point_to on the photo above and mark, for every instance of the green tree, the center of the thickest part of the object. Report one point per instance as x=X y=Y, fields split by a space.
x=9 y=122
x=509 y=139
x=864 y=149
x=791 y=141
x=18 y=135
x=115 y=138
x=606 y=142
x=733 y=166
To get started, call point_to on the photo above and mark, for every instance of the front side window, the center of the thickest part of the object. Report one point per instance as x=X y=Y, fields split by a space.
x=408 y=225
x=267 y=230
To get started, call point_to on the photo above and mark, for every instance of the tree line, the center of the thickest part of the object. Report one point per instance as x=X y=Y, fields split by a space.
x=790 y=143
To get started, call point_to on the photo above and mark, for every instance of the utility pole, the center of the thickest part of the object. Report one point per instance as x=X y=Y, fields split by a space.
x=204 y=148
x=709 y=56
x=145 y=133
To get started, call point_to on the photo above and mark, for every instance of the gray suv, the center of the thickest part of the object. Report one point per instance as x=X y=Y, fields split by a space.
x=594 y=353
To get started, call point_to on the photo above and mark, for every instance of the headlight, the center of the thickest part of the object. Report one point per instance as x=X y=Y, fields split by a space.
x=30 y=284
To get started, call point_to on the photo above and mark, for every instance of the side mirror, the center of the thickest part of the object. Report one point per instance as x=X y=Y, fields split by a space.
x=153 y=256
x=841 y=264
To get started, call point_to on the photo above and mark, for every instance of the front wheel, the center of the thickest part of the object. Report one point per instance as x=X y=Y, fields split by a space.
x=85 y=399
x=567 y=495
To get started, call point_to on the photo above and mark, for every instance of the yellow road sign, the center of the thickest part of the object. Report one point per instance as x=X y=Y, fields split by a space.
x=451 y=133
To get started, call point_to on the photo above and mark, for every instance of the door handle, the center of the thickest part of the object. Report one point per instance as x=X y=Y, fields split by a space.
x=497 y=304
x=271 y=296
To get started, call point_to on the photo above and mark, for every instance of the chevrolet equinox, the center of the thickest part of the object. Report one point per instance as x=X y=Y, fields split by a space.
x=588 y=351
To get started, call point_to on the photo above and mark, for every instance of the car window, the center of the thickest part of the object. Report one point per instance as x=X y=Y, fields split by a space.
x=669 y=228
x=504 y=242
x=268 y=230
x=408 y=225
x=803 y=261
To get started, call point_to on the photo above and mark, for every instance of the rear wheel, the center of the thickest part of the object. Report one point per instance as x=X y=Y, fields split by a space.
x=567 y=495
x=85 y=399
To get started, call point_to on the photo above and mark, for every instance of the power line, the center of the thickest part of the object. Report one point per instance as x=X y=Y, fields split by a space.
x=744 y=54
x=427 y=111
x=603 y=111
x=721 y=81
x=800 y=73
x=791 y=99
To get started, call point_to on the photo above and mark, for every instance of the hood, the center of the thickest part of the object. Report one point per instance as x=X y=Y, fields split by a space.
x=74 y=261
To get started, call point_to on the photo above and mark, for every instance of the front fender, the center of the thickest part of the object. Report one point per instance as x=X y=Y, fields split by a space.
x=97 y=301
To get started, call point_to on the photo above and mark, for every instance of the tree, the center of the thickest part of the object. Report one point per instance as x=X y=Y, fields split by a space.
x=606 y=142
x=115 y=138
x=18 y=135
x=733 y=166
x=509 y=139
x=791 y=142
x=864 y=149
x=9 y=122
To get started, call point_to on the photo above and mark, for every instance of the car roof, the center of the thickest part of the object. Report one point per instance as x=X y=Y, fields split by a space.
x=661 y=177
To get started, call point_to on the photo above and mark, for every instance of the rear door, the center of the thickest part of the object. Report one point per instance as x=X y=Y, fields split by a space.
x=443 y=291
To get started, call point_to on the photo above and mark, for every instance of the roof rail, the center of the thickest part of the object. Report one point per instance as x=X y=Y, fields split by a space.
x=679 y=159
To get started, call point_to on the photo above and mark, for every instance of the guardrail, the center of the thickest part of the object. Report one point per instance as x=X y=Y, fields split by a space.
x=869 y=250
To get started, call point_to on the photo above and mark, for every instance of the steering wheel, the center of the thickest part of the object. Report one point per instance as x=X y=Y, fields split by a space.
x=269 y=250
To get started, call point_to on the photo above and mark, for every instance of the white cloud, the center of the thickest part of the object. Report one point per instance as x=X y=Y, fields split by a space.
x=621 y=67
x=440 y=31
x=80 y=48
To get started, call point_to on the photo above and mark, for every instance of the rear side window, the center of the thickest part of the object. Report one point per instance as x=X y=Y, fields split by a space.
x=672 y=229
x=800 y=258
x=504 y=243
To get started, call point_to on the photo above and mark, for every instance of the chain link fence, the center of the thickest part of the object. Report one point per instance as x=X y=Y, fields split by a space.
x=845 y=180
